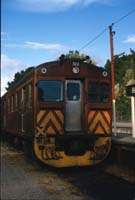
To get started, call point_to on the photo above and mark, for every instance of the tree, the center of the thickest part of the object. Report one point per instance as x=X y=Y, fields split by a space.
x=122 y=64
x=17 y=77
x=124 y=72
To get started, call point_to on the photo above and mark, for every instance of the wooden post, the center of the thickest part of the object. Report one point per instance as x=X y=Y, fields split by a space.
x=133 y=115
x=130 y=91
x=112 y=75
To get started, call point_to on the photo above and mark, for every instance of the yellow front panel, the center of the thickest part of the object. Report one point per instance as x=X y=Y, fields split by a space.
x=49 y=156
x=50 y=122
x=99 y=122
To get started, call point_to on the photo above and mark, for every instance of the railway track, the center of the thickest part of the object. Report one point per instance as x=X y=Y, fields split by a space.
x=47 y=183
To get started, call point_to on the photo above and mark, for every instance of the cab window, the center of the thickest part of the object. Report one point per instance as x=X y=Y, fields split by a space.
x=98 y=92
x=50 y=90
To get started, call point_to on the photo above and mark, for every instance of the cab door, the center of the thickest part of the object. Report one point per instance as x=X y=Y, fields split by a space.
x=73 y=112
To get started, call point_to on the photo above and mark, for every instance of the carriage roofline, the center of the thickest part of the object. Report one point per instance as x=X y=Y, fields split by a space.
x=68 y=60
x=49 y=64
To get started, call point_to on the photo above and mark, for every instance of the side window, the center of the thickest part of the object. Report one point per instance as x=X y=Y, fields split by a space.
x=9 y=103
x=50 y=90
x=17 y=101
x=30 y=95
x=12 y=103
x=104 y=92
x=23 y=98
x=93 y=89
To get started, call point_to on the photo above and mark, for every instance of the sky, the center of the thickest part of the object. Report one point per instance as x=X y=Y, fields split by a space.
x=37 y=31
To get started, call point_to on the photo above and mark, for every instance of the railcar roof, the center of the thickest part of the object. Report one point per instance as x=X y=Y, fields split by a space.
x=57 y=62
x=52 y=63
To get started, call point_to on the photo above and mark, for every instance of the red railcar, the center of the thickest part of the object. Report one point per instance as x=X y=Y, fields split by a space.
x=62 y=111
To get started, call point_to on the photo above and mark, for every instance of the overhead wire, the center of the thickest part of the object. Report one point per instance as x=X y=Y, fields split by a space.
x=95 y=38
x=123 y=17
x=103 y=31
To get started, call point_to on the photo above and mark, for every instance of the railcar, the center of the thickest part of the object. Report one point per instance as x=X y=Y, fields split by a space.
x=61 y=111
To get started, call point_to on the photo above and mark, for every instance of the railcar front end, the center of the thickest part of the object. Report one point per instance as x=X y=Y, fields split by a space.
x=72 y=114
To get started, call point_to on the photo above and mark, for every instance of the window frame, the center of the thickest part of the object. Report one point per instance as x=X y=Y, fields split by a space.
x=50 y=80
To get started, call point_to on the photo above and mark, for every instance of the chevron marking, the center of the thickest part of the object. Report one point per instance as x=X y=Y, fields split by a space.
x=59 y=113
x=97 y=118
x=50 y=130
x=99 y=130
x=49 y=117
x=40 y=115
x=99 y=123
x=107 y=116
x=91 y=114
x=51 y=120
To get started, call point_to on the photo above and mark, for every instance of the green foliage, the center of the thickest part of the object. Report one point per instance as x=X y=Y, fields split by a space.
x=124 y=68
x=123 y=108
x=75 y=55
x=122 y=64
x=17 y=77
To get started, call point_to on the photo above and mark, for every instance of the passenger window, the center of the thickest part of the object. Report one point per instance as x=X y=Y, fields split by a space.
x=50 y=90
x=12 y=103
x=23 y=99
x=17 y=101
x=73 y=91
x=30 y=96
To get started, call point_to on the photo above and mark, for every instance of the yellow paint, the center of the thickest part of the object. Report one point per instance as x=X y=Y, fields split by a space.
x=58 y=158
x=50 y=130
x=107 y=116
x=99 y=118
x=91 y=114
x=68 y=161
x=40 y=131
x=40 y=115
x=50 y=117
x=99 y=130
x=61 y=117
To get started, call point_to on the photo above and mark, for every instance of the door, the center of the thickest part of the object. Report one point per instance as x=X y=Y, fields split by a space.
x=73 y=105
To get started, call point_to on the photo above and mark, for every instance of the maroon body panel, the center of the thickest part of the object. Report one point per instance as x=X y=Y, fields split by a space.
x=21 y=120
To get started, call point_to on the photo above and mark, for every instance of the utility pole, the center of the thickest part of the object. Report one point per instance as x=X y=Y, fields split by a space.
x=112 y=76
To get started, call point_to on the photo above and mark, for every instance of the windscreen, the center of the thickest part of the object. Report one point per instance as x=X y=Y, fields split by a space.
x=50 y=90
x=98 y=92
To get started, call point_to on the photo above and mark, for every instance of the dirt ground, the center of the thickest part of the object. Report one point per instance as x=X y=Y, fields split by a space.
x=23 y=178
